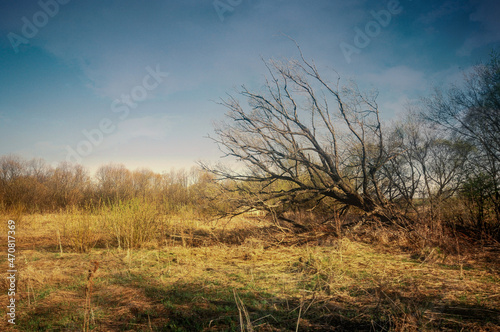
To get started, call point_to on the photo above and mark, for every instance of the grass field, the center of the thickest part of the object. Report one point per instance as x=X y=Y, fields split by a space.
x=243 y=276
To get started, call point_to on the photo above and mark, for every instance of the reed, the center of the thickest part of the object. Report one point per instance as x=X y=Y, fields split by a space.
x=88 y=295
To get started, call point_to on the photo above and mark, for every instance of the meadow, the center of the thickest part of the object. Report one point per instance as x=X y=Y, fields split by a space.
x=130 y=267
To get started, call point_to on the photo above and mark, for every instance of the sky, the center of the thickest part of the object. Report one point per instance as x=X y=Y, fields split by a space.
x=137 y=82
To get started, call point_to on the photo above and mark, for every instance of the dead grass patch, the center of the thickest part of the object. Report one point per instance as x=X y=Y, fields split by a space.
x=317 y=280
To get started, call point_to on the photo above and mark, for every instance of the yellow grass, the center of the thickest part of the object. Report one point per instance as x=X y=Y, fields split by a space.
x=210 y=276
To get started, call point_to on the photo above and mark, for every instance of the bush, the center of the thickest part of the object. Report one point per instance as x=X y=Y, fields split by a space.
x=81 y=229
x=132 y=223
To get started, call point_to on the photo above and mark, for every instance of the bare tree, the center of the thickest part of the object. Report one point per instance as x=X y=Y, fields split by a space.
x=471 y=112
x=114 y=183
x=304 y=140
x=430 y=168
x=69 y=185
x=24 y=183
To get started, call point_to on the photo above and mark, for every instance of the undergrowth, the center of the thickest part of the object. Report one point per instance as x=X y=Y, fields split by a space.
x=164 y=273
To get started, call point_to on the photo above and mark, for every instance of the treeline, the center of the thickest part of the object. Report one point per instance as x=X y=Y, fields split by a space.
x=450 y=152
x=441 y=177
x=35 y=186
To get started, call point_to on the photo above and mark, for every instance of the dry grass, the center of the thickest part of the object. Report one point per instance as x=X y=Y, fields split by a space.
x=197 y=276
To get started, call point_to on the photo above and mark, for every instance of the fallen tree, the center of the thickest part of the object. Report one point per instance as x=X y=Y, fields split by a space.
x=305 y=141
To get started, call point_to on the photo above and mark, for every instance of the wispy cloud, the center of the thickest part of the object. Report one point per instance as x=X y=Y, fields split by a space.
x=443 y=10
x=487 y=17
x=397 y=79
x=149 y=127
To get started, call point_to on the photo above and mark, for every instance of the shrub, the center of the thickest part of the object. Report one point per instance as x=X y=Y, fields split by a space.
x=81 y=229
x=133 y=222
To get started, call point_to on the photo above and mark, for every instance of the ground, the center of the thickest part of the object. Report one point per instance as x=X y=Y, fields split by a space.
x=208 y=278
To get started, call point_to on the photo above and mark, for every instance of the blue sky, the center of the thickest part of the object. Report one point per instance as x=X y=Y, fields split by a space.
x=67 y=66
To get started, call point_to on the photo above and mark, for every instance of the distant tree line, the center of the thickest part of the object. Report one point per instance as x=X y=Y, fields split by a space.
x=35 y=186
